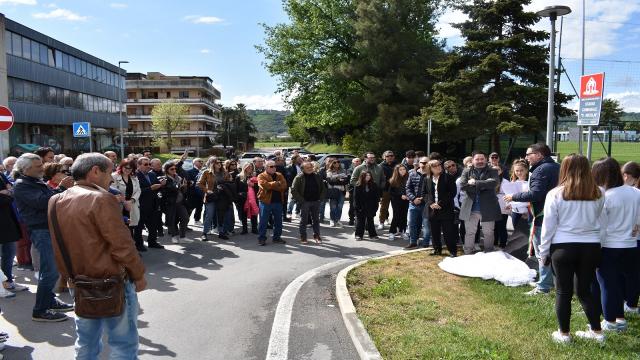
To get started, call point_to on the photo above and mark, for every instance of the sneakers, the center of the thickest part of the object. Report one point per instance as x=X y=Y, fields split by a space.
x=533 y=284
x=622 y=324
x=609 y=326
x=49 y=316
x=560 y=338
x=59 y=306
x=175 y=240
x=155 y=245
x=536 y=291
x=4 y=293
x=359 y=238
x=304 y=241
x=338 y=224
x=630 y=310
x=11 y=286
x=204 y=237
x=279 y=241
x=392 y=237
x=590 y=335
x=405 y=236
x=332 y=223
x=380 y=226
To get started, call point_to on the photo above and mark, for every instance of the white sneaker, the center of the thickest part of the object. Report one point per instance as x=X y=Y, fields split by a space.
x=405 y=236
x=622 y=324
x=392 y=237
x=380 y=227
x=590 y=335
x=12 y=286
x=560 y=338
x=331 y=223
x=609 y=326
x=175 y=240
x=338 y=224
x=6 y=293
x=630 y=310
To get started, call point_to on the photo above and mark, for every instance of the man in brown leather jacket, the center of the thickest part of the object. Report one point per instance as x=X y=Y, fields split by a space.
x=99 y=245
x=272 y=186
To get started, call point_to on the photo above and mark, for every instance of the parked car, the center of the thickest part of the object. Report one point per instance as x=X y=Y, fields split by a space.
x=249 y=156
x=345 y=159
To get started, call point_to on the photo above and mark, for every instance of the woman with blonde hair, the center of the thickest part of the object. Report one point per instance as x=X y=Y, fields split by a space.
x=570 y=241
x=519 y=174
x=246 y=199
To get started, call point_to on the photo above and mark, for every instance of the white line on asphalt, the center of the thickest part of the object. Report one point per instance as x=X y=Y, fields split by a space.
x=279 y=340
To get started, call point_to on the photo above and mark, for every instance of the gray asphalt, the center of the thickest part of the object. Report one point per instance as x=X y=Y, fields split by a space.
x=217 y=300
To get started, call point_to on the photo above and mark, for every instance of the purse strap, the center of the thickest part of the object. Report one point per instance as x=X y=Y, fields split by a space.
x=58 y=234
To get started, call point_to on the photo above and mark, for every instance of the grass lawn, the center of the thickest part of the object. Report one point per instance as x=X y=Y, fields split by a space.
x=324 y=148
x=622 y=151
x=166 y=156
x=414 y=310
x=276 y=144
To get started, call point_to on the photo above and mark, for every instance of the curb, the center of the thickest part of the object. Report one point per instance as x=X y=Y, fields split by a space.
x=359 y=336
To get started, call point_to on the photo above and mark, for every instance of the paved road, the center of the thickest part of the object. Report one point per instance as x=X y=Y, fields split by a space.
x=218 y=300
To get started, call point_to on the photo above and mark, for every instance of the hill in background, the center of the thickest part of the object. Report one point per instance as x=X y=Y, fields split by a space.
x=269 y=122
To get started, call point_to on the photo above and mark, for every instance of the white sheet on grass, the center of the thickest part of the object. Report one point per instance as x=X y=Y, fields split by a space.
x=496 y=265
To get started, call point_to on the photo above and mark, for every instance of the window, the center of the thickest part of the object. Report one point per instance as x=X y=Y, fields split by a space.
x=185 y=142
x=67 y=98
x=10 y=88
x=58 y=59
x=52 y=96
x=7 y=42
x=60 y=97
x=105 y=105
x=168 y=94
x=49 y=55
x=35 y=51
x=84 y=69
x=72 y=64
x=131 y=95
x=65 y=63
x=16 y=44
x=18 y=89
x=37 y=93
x=184 y=94
x=28 y=92
x=26 y=48
x=78 y=67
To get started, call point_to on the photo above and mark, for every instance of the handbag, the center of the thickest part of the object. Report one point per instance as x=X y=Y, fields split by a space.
x=95 y=298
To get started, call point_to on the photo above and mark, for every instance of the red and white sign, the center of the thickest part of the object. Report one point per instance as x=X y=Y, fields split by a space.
x=591 y=91
x=6 y=118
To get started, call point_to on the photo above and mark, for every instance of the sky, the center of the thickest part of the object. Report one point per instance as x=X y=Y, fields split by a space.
x=217 y=38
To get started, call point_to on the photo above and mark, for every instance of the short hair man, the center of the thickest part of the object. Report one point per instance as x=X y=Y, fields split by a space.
x=388 y=164
x=481 y=204
x=544 y=177
x=258 y=164
x=32 y=198
x=272 y=186
x=112 y=156
x=308 y=190
x=99 y=245
x=149 y=186
x=146 y=153
x=451 y=168
x=494 y=160
x=8 y=163
x=415 y=191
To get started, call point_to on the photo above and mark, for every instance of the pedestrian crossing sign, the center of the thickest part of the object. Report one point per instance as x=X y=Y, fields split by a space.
x=81 y=129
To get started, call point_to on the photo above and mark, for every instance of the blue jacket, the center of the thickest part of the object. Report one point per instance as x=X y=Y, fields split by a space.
x=544 y=177
x=415 y=186
x=32 y=198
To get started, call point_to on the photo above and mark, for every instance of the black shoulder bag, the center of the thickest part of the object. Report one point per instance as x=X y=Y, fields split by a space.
x=94 y=298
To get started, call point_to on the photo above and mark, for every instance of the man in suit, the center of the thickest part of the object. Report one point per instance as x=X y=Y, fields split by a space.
x=481 y=205
x=149 y=186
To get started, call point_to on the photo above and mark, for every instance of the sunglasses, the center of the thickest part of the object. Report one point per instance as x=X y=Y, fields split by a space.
x=271 y=166
x=495 y=157
x=145 y=164
x=424 y=162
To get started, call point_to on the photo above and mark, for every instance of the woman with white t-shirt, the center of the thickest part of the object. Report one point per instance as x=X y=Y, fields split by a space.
x=617 y=272
x=571 y=242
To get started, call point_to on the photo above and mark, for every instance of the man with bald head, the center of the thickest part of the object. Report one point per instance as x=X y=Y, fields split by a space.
x=113 y=157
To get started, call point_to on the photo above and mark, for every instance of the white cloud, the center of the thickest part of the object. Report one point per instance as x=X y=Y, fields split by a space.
x=205 y=51
x=629 y=100
x=196 y=19
x=18 y=2
x=271 y=102
x=448 y=32
x=51 y=5
x=60 y=14
x=118 y=5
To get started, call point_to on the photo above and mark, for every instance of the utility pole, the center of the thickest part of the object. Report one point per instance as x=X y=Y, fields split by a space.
x=429 y=138
x=580 y=130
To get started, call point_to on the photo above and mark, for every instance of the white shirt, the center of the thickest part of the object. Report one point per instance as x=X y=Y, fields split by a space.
x=460 y=195
x=621 y=213
x=569 y=221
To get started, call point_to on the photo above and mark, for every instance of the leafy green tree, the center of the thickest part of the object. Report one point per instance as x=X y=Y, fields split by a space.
x=611 y=113
x=237 y=126
x=167 y=118
x=496 y=82
x=355 y=71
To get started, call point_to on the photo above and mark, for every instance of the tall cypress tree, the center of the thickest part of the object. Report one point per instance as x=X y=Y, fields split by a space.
x=496 y=83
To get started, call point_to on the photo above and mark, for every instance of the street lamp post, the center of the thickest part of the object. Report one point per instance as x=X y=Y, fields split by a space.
x=120 y=110
x=552 y=12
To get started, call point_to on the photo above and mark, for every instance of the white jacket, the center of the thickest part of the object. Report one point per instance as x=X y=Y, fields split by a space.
x=620 y=215
x=570 y=221
x=118 y=183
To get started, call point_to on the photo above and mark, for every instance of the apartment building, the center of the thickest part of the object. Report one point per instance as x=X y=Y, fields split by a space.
x=144 y=91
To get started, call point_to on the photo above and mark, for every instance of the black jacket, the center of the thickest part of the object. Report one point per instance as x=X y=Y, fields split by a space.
x=366 y=202
x=8 y=219
x=388 y=172
x=148 y=198
x=446 y=192
x=544 y=177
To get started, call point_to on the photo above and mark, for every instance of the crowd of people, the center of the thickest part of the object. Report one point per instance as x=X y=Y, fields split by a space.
x=583 y=220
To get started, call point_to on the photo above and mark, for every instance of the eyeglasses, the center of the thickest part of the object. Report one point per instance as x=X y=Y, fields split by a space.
x=495 y=157
x=435 y=165
x=271 y=166
x=390 y=155
x=144 y=164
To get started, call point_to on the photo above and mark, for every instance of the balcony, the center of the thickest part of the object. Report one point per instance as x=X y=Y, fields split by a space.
x=176 y=134
x=173 y=84
x=205 y=118
x=189 y=101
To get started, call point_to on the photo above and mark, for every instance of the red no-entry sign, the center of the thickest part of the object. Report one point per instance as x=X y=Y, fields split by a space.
x=6 y=118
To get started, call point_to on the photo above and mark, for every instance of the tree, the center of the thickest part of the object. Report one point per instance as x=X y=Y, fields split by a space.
x=496 y=83
x=237 y=126
x=167 y=118
x=355 y=71
x=611 y=113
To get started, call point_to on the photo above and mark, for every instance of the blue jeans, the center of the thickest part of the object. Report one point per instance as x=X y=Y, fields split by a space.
x=290 y=205
x=45 y=297
x=323 y=205
x=416 y=218
x=122 y=331
x=335 y=207
x=545 y=283
x=266 y=211
x=209 y=217
x=8 y=253
x=228 y=224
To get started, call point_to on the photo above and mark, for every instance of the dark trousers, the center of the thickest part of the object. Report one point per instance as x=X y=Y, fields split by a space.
x=579 y=261
x=400 y=208
x=617 y=274
x=285 y=204
x=447 y=229
x=352 y=209
x=159 y=222
x=363 y=221
x=309 y=210
x=177 y=217
x=197 y=211
x=500 y=233
x=148 y=219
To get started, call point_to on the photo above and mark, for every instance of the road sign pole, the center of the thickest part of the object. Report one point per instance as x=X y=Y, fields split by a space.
x=429 y=138
x=589 y=142
x=552 y=75
x=1 y=147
